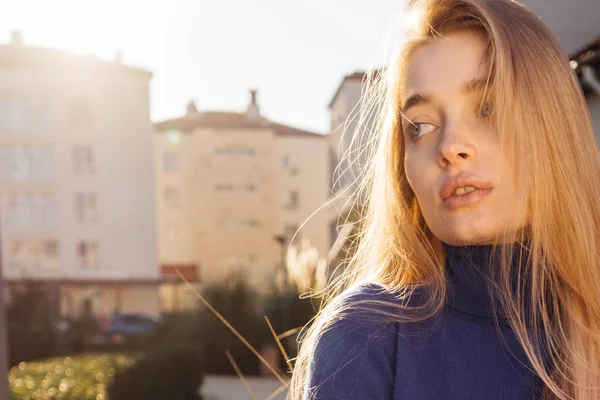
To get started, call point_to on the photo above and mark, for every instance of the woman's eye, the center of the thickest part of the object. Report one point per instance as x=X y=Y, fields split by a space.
x=417 y=130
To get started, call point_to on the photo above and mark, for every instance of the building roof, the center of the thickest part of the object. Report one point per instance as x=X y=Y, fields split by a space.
x=228 y=119
x=355 y=76
x=42 y=58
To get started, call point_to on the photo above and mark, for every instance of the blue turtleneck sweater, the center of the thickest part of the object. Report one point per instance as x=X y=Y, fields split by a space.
x=458 y=354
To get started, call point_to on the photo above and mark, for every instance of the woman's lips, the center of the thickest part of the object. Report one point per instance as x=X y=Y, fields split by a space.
x=467 y=199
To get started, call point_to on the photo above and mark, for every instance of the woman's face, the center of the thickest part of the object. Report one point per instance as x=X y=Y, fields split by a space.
x=453 y=160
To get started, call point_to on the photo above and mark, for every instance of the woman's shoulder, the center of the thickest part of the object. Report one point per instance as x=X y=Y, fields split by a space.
x=355 y=353
x=374 y=298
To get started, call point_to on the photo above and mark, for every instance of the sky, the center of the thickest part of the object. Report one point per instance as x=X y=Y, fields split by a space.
x=213 y=51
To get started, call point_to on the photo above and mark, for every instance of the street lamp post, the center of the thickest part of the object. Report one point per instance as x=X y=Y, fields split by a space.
x=284 y=310
x=4 y=393
x=283 y=242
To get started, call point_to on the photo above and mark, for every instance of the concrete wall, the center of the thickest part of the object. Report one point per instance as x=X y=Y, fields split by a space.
x=345 y=115
x=573 y=22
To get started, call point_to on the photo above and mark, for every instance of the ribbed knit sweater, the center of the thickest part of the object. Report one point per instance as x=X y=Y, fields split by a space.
x=459 y=354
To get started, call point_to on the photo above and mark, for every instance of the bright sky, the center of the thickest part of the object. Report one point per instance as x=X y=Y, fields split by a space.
x=294 y=53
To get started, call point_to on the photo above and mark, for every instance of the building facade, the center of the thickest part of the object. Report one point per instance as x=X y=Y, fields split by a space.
x=233 y=189
x=347 y=159
x=76 y=180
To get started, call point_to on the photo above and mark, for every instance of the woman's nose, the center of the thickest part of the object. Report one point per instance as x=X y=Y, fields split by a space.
x=455 y=147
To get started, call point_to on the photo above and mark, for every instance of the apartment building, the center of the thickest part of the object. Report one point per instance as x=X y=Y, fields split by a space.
x=76 y=180
x=233 y=188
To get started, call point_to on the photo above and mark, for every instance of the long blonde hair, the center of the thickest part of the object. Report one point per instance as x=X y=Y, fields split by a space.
x=546 y=132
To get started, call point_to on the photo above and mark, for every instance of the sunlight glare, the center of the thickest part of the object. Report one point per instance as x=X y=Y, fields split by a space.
x=84 y=27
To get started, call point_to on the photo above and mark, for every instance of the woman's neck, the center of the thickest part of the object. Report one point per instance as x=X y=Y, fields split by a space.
x=473 y=270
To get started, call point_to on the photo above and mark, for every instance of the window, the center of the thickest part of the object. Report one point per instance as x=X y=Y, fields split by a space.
x=86 y=207
x=7 y=112
x=20 y=210
x=49 y=253
x=15 y=163
x=48 y=217
x=293 y=200
x=32 y=253
x=235 y=150
x=9 y=162
x=173 y=197
x=43 y=115
x=11 y=210
x=25 y=114
x=224 y=187
x=51 y=249
x=27 y=210
x=233 y=223
x=171 y=162
x=15 y=250
x=289 y=232
x=88 y=254
x=288 y=163
x=20 y=162
x=42 y=163
x=174 y=233
x=83 y=157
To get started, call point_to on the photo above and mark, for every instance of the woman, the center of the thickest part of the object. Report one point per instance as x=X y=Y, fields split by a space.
x=477 y=272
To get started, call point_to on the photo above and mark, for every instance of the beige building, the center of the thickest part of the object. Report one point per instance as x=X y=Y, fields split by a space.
x=76 y=181
x=230 y=188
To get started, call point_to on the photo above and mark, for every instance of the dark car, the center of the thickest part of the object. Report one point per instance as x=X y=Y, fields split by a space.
x=123 y=325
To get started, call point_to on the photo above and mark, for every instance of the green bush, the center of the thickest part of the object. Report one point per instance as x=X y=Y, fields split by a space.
x=166 y=374
x=84 y=377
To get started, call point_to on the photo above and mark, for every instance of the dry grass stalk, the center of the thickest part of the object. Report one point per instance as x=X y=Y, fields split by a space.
x=239 y=373
x=283 y=352
x=289 y=333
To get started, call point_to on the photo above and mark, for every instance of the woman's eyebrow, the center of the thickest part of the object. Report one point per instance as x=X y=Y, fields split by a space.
x=415 y=100
x=471 y=86
x=475 y=85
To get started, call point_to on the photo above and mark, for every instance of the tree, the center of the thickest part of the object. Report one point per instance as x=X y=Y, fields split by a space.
x=31 y=315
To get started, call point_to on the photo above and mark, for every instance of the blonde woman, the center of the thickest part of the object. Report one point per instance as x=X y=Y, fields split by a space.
x=477 y=273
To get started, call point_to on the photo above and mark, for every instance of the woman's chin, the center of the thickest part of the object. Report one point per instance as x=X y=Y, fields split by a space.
x=465 y=235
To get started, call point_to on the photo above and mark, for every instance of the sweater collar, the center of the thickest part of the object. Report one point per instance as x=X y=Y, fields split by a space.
x=470 y=274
